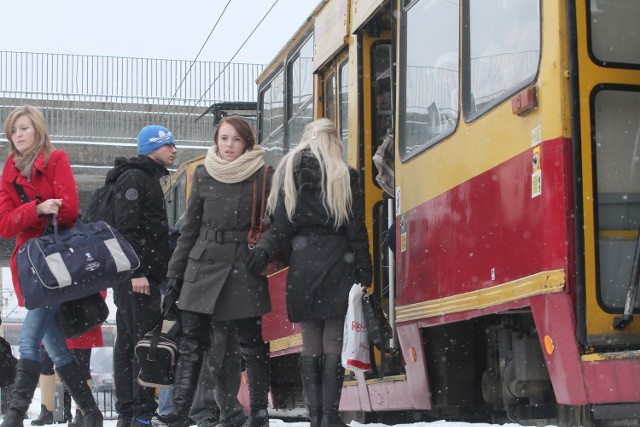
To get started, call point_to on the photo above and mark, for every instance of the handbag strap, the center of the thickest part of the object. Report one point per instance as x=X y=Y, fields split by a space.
x=254 y=201
x=20 y=190
x=25 y=199
x=170 y=300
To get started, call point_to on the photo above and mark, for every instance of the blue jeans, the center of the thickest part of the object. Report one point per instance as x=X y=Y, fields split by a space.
x=165 y=401
x=41 y=326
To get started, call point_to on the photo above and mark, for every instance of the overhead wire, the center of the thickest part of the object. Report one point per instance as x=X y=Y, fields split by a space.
x=227 y=64
x=195 y=60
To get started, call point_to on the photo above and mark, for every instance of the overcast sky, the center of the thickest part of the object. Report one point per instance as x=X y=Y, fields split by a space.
x=160 y=29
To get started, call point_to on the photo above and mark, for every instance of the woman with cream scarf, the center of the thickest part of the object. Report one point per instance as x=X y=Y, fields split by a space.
x=216 y=288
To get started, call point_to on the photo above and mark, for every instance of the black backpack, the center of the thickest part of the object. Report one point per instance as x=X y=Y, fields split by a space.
x=101 y=205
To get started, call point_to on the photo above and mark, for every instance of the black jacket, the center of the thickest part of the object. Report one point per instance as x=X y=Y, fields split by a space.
x=324 y=262
x=140 y=213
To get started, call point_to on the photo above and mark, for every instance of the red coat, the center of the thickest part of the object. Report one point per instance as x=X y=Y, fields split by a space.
x=55 y=181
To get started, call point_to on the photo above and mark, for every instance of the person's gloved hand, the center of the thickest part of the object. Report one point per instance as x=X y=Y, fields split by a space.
x=257 y=260
x=174 y=286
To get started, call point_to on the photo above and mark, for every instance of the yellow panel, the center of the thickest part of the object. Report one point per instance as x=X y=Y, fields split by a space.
x=285 y=343
x=545 y=282
x=362 y=10
x=330 y=31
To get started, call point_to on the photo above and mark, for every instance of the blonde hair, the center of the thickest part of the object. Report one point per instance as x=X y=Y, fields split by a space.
x=24 y=161
x=321 y=139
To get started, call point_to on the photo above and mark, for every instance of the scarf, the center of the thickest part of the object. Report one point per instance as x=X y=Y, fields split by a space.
x=24 y=164
x=236 y=171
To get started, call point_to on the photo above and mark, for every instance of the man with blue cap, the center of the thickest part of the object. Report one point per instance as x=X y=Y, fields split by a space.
x=140 y=215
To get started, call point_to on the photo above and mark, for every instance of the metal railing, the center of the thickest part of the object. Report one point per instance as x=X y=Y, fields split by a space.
x=125 y=79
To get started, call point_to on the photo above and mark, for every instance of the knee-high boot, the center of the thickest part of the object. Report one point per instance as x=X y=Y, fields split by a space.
x=186 y=380
x=47 y=400
x=72 y=377
x=27 y=374
x=258 y=365
x=332 y=377
x=311 y=373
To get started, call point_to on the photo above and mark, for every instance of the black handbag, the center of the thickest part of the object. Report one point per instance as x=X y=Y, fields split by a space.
x=157 y=351
x=378 y=328
x=81 y=315
x=7 y=364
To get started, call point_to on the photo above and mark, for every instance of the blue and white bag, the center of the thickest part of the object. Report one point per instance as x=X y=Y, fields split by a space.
x=73 y=263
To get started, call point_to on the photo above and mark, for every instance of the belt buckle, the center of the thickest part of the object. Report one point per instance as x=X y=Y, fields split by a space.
x=219 y=236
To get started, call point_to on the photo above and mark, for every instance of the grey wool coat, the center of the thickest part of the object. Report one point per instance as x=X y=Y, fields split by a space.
x=211 y=251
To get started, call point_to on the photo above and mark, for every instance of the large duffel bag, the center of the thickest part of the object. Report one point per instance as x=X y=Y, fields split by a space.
x=73 y=263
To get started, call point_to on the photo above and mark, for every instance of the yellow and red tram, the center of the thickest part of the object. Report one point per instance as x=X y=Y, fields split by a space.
x=516 y=201
x=516 y=125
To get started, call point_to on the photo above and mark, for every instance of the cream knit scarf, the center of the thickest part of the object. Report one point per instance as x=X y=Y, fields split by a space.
x=236 y=171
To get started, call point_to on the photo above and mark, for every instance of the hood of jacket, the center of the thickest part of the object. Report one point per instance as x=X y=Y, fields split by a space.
x=143 y=162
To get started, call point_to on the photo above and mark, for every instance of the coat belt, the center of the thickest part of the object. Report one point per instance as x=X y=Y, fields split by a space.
x=226 y=236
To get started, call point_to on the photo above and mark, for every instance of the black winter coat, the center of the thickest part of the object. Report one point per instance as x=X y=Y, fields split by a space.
x=324 y=262
x=140 y=213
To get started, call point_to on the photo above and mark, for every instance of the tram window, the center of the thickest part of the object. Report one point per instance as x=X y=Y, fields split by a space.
x=297 y=125
x=330 y=98
x=615 y=144
x=301 y=79
x=429 y=106
x=614 y=31
x=381 y=92
x=274 y=148
x=300 y=93
x=272 y=100
x=344 y=107
x=504 y=45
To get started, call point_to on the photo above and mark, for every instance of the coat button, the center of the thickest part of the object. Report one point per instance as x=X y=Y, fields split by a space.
x=210 y=260
x=217 y=196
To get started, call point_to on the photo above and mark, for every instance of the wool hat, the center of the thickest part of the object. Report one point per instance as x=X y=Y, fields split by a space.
x=153 y=137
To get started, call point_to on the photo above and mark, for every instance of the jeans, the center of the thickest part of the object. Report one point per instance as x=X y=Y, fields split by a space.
x=41 y=325
x=165 y=401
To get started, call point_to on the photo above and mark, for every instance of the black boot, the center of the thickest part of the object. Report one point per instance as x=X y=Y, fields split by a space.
x=190 y=357
x=311 y=373
x=66 y=399
x=45 y=417
x=332 y=377
x=258 y=367
x=81 y=393
x=78 y=420
x=27 y=375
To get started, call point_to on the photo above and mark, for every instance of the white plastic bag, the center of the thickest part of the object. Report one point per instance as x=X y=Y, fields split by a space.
x=355 y=344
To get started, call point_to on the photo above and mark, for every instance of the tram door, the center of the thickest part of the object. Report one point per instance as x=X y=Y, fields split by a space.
x=609 y=97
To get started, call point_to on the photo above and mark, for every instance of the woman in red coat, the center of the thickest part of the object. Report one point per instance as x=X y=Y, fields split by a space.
x=37 y=182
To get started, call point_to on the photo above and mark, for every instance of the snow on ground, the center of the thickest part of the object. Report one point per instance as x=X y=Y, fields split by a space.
x=34 y=410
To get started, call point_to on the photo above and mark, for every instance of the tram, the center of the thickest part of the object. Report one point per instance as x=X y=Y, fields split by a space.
x=516 y=202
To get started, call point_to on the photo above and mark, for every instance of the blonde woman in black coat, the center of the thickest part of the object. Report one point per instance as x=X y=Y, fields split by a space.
x=216 y=288
x=318 y=211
